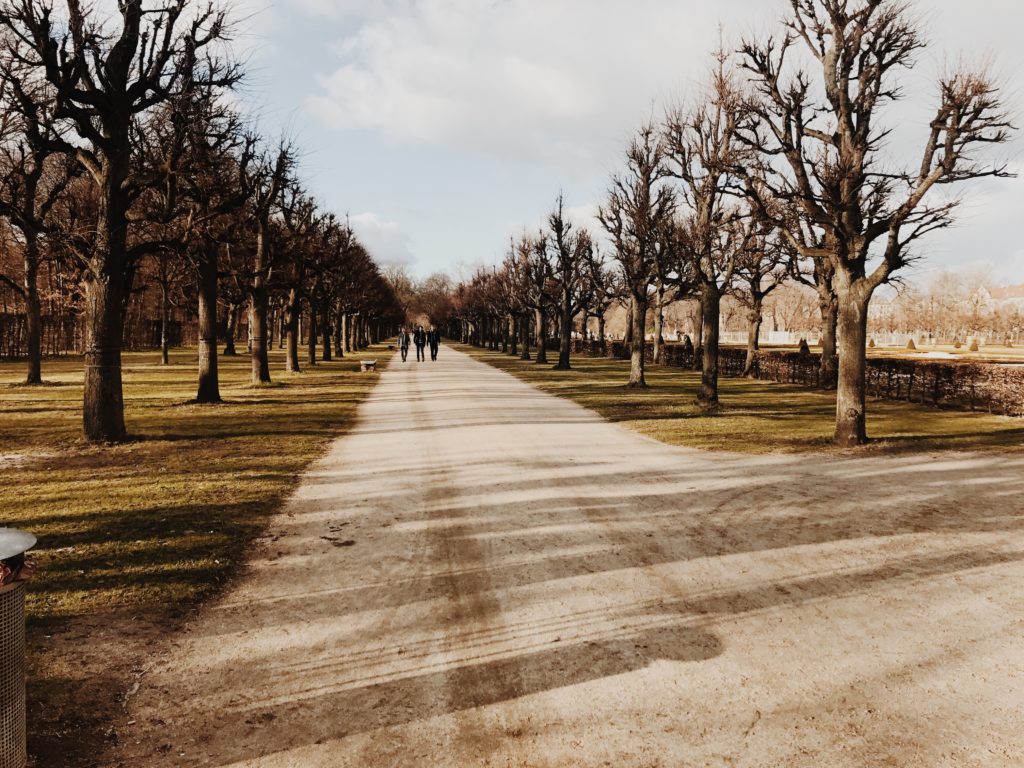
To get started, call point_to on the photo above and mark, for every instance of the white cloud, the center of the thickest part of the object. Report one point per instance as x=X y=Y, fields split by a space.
x=385 y=240
x=522 y=79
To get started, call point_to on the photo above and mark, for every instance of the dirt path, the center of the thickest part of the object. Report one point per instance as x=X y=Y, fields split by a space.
x=484 y=575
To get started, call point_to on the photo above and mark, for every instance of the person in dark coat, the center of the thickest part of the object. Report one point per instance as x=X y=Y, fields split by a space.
x=420 y=340
x=403 y=343
x=435 y=342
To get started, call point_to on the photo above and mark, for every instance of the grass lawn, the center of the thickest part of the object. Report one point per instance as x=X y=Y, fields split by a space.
x=131 y=537
x=756 y=416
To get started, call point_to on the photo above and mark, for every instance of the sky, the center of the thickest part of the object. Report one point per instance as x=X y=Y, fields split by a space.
x=444 y=127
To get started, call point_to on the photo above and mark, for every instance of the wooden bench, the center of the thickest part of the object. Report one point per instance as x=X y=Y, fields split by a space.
x=367 y=365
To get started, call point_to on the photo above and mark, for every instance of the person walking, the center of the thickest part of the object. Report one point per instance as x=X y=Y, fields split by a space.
x=435 y=342
x=403 y=343
x=420 y=339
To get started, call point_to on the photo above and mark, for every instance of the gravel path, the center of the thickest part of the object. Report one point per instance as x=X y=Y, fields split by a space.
x=481 y=574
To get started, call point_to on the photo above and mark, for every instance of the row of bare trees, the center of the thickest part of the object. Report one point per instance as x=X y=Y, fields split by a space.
x=779 y=169
x=120 y=152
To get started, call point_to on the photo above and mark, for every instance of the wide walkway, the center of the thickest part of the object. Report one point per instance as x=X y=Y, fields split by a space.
x=484 y=575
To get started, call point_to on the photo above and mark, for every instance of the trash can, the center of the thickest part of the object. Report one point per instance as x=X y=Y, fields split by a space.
x=13 y=546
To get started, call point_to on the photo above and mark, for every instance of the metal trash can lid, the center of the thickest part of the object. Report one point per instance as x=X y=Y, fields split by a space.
x=14 y=542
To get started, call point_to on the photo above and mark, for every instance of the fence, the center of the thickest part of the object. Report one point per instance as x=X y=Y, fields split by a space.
x=65 y=334
x=977 y=386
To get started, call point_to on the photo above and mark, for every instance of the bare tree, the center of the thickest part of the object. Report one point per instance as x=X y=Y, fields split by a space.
x=635 y=215
x=601 y=289
x=703 y=150
x=823 y=149
x=33 y=175
x=268 y=176
x=217 y=159
x=569 y=251
x=538 y=296
x=102 y=82
x=761 y=268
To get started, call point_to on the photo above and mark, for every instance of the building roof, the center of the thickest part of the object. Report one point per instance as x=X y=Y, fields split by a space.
x=1008 y=292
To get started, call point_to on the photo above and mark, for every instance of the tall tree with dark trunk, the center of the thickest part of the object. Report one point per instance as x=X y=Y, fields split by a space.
x=569 y=250
x=269 y=175
x=601 y=288
x=639 y=207
x=33 y=175
x=103 y=79
x=762 y=266
x=821 y=133
x=217 y=157
x=538 y=288
x=703 y=149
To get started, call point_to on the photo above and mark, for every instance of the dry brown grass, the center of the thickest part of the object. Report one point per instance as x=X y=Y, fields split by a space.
x=133 y=536
x=756 y=416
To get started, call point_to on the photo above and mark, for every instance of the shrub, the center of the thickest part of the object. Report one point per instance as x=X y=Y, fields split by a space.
x=974 y=345
x=957 y=344
x=804 y=348
x=911 y=345
x=871 y=343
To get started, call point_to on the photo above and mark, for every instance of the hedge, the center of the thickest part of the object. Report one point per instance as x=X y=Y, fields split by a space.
x=977 y=386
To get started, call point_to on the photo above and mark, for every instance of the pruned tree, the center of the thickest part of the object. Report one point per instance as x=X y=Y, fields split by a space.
x=636 y=213
x=216 y=160
x=569 y=250
x=762 y=266
x=267 y=176
x=822 y=138
x=703 y=151
x=601 y=288
x=34 y=173
x=538 y=287
x=104 y=74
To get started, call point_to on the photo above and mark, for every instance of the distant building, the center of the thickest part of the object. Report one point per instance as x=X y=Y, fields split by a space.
x=1009 y=297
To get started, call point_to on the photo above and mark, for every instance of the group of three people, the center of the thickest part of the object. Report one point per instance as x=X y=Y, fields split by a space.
x=420 y=338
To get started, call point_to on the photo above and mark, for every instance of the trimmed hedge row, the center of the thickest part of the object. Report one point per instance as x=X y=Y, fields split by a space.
x=976 y=386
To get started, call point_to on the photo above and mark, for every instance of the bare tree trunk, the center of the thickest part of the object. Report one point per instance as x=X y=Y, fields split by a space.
x=258 y=336
x=231 y=330
x=33 y=313
x=524 y=336
x=541 y=357
x=513 y=333
x=103 y=407
x=292 y=309
x=565 y=332
x=638 y=315
x=851 y=424
x=165 y=317
x=711 y=302
x=754 y=320
x=630 y=323
x=325 y=330
x=311 y=337
x=698 y=338
x=659 y=325
x=600 y=327
x=105 y=300
x=258 y=315
x=339 y=332
x=209 y=381
x=828 y=305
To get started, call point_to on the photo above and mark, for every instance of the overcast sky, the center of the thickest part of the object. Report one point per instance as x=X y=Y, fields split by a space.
x=445 y=126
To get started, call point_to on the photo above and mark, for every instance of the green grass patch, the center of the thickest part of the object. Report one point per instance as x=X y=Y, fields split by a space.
x=756 y=416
